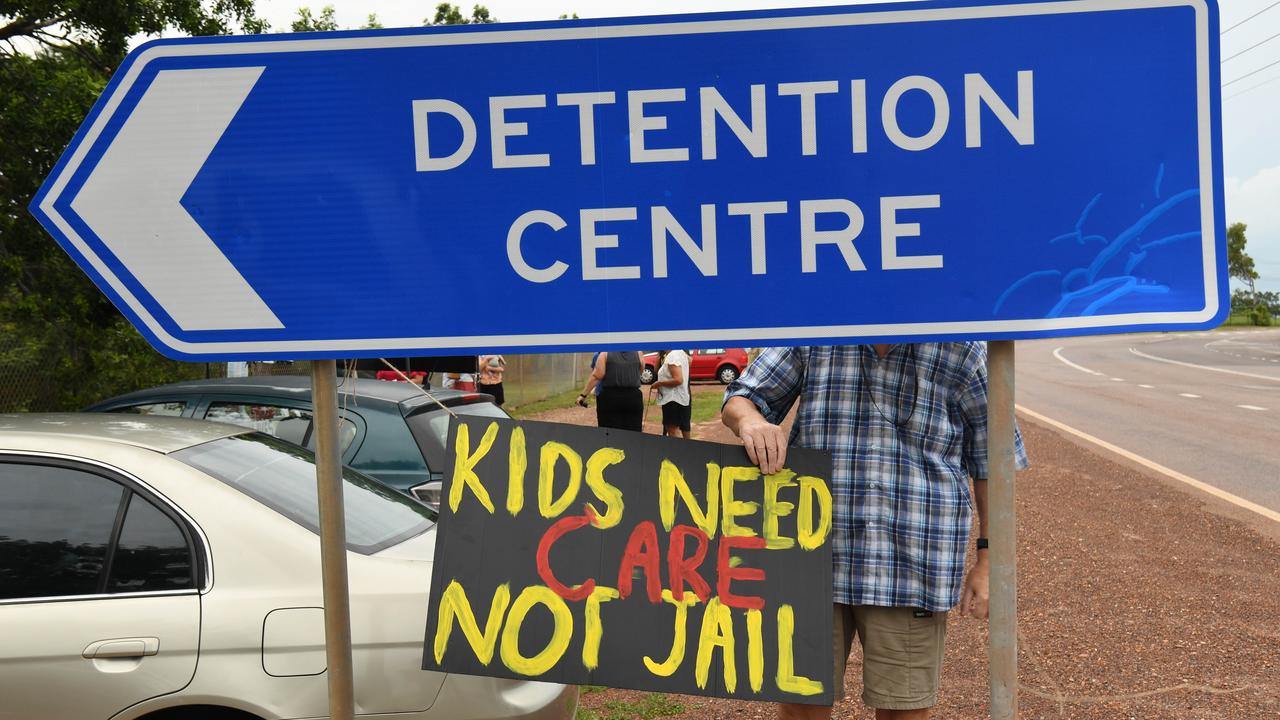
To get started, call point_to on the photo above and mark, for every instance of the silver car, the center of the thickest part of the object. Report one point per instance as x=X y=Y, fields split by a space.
x=164 y=568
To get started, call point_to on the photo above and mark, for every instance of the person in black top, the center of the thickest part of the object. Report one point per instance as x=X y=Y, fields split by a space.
x=621 y=403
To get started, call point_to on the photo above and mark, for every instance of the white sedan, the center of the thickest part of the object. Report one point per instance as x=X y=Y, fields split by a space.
x=164 y=569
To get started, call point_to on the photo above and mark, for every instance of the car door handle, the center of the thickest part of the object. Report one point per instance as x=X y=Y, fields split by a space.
x=122 y=648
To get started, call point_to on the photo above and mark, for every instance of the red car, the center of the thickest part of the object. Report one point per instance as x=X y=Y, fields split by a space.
x=720 y=364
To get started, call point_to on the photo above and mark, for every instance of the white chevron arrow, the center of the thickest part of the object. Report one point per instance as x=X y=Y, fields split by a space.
x=131 y=200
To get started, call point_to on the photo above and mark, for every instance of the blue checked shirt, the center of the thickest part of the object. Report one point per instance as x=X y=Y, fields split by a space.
x=901 y=459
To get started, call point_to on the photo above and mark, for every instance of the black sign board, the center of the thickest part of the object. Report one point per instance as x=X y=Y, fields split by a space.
x=585 y=556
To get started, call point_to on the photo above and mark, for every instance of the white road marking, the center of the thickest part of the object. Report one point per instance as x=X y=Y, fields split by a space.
x=1117 y=379
x=1188 y=395
x=1251 y=407
x=1167 y=472
x=1149 y=387
x=1058 y=354
x=1139 y=353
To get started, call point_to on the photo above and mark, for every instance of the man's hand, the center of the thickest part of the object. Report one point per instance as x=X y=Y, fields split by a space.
x=765 y=442
x=976 y=592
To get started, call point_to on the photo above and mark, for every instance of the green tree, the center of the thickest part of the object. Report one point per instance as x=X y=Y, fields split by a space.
x=1239 y=264
x=449 y=14
x=308 y=21
x=62 y=343
x=1259 y=306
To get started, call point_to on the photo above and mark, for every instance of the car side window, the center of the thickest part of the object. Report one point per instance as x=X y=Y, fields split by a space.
x=55 y=528
x=151 y=554
x=287 y=423
x=346 y=433
x=170 y=409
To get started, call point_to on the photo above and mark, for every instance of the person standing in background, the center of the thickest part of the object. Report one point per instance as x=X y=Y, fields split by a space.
x=491 y=369
x=673 y=393
x=620 y=404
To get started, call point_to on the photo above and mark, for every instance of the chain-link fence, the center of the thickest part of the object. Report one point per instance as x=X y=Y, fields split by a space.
x=528 y=378
x=29 y=383
x=533 y=377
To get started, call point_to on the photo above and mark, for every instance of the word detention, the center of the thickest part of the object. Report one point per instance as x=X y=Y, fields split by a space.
x=835 y=221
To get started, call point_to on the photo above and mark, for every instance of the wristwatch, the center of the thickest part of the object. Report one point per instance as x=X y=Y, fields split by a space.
x=983 y=544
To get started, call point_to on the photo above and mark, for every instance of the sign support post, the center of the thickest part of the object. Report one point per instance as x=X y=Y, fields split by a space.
x=333 y=541
x=1002 y=527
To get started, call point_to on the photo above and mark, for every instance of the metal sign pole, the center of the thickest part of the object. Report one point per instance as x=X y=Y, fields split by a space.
x=333 y=540
x=1002 y=528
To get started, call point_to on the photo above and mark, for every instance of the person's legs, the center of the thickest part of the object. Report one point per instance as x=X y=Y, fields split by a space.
x=675 y=420
x=901 y=660
x=788 y=711
x=633 y=404
x=606 y=409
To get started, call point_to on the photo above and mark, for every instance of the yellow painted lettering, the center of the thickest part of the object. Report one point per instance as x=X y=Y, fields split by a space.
x=755 y=650
x=517 y=462
x=668 y=667
x=717 y=632
x=464 y=466
x=561 y=632
x=810 y=537
x=552 y=452
x=731 y=508
x=454 y=606
x=786 y=678
x=610 y=495
x=775 y=508
x=671 y=481
x=594 y=630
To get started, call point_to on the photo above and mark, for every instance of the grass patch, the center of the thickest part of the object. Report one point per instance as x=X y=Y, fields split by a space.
x=649 y=707
x=1240 y=320
x=706 y=406
x=562 y=400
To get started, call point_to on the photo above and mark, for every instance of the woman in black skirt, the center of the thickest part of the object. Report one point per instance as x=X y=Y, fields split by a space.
x=621 y=403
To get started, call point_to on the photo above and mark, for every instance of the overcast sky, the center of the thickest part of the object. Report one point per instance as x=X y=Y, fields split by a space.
x=1250 y=117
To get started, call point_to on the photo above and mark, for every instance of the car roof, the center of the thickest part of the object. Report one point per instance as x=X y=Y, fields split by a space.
x=293 y=386
x=150 y=432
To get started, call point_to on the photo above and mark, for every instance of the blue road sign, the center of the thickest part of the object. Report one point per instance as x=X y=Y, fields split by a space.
x=891 y=172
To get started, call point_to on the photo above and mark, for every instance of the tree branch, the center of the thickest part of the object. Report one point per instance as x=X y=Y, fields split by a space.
x=27 y=26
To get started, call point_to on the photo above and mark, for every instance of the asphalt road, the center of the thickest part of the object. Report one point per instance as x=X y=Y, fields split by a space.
x=1204 y=404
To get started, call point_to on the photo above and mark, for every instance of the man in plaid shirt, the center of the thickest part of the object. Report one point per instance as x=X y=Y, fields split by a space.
x=907 y=428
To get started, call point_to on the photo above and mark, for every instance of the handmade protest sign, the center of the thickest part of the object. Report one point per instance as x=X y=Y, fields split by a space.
x=581 y=555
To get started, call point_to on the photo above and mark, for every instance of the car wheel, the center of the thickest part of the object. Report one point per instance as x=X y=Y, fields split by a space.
x=647 y=376
x=727 y=374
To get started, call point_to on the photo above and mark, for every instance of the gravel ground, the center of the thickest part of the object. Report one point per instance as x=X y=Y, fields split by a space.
x=1137 y=599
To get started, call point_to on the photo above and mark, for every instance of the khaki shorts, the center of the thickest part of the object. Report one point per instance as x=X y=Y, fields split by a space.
x=901 y=654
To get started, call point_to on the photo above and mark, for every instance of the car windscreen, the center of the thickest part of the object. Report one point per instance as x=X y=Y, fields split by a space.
x=282 y=476
x=430 y=429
